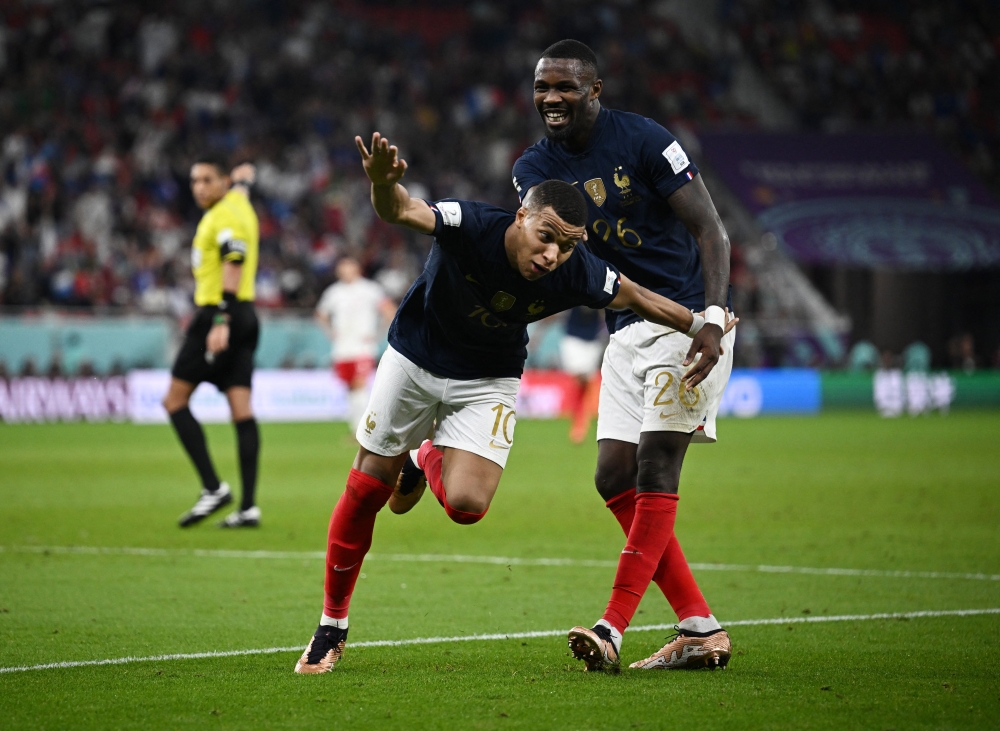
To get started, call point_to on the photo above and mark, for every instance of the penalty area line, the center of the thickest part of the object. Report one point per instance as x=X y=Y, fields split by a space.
x=494 y=560
x=501 y=636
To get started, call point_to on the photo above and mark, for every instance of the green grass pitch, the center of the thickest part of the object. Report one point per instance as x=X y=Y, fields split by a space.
x=839 y=491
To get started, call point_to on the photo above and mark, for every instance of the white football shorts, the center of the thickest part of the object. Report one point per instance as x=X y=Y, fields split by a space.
x=477 y=416
x=580 y=357
x=641 y=385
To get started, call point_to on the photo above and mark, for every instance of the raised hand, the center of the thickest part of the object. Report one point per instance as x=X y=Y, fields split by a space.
x=383 y=165
x=244 y=173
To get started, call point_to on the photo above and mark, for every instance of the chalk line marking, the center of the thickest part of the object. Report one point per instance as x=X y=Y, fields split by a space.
x=501 y=636
x=497 y=560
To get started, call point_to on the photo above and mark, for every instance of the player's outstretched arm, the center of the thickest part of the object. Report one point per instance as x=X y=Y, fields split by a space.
x=391 y=200
x=657 y=308
x=651 y=306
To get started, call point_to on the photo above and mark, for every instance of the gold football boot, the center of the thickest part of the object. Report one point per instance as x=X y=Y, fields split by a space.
x=410 y=486
x=689 y=650
x=596 y=647
x=324 y=650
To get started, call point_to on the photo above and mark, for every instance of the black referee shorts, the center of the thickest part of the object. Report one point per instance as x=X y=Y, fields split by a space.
x=231 y=367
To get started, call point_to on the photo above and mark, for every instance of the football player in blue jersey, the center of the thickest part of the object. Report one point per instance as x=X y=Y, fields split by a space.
x=455 y=356
x=649 y=215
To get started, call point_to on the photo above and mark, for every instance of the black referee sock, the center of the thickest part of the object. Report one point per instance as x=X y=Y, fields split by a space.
x=193 y=440
x=248 y=442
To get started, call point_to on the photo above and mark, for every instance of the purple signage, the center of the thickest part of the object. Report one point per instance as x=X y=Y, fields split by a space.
x=862 y=199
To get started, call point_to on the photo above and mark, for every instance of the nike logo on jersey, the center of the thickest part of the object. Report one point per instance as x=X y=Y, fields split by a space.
x=668 y=416
x=494 y=445
x=340 y=570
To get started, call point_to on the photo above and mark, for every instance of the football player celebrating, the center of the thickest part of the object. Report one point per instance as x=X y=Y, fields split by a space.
x=455 y=357
x=650 y=216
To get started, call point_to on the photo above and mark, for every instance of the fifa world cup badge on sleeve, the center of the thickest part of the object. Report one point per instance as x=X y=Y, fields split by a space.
x=676 y=156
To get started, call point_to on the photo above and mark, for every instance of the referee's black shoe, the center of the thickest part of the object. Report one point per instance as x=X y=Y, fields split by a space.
x=207 y=504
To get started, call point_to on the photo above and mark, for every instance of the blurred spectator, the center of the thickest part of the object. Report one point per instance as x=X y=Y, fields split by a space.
x=962 y=353
x=863 y=356
x=917 y=357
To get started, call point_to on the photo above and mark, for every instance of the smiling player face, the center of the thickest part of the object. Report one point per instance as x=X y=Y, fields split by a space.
x=566 y=96
x=540 y=241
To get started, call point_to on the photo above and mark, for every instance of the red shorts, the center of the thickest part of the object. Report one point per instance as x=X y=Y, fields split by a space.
x=351 y=371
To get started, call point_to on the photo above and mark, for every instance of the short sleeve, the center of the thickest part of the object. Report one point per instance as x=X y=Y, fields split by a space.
x=663 y=159
x=232 y=238
x=325 y=304
x=595 y=282
x=457 y=223
x=527 y=174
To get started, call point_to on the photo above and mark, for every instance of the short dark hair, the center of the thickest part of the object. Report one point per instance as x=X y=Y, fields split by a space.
x=219 y=160
x=563 y=198
x=573 y=50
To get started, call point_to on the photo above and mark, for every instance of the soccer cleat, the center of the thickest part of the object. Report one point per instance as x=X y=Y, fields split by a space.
x=325 y=648
x=207 y=504
x=410 y=485
x=249 y=518
x=596 y=647
x=689 y=650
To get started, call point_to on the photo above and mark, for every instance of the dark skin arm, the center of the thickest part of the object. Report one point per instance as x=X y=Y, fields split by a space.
x=694 y=207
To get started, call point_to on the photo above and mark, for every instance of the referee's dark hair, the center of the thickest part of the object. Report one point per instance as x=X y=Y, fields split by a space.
x=573 y=50
x=219 y=160
x=563 y=198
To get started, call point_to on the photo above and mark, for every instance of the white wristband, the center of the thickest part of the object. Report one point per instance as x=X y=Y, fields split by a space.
x=715 y=315
x=697 y=324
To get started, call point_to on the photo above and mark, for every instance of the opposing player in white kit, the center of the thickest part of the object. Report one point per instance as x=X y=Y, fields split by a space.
x=580 y=352
x=456 y=352
x=349 y=312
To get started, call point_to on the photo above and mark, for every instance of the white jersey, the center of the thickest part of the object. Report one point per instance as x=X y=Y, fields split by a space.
x=353 y=312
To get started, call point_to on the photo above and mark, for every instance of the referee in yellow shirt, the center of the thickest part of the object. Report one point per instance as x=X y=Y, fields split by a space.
x=220 y=342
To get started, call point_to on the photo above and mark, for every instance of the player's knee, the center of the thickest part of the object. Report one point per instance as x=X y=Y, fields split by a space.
x=465 y=517
x=466 y=507
x=612 y=480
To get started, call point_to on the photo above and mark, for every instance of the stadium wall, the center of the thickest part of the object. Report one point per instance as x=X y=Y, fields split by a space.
x=317 y=395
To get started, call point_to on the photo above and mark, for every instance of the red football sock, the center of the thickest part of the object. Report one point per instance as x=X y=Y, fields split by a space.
x=673 y=575
x=350 y=537
x=431 y=458
x=651 y=530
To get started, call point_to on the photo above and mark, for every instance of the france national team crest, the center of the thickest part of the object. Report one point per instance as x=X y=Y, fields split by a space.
x=502 y=301
x=595 y=189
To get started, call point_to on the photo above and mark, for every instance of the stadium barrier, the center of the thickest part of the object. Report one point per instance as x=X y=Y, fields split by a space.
x=317 y=395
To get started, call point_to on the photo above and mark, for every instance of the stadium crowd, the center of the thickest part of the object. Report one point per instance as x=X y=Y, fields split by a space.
x=104 y=105
x=845 y=64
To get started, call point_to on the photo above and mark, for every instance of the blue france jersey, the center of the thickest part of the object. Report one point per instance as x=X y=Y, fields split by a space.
x=630 y=167
x=466 y=315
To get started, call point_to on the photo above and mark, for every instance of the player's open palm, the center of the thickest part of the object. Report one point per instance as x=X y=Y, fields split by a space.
x=383 y=164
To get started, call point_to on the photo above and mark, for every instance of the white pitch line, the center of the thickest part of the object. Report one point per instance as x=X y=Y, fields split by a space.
x=496 y=560
x=502 y=636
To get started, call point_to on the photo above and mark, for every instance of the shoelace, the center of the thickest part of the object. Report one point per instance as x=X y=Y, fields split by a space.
x=328 y=641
